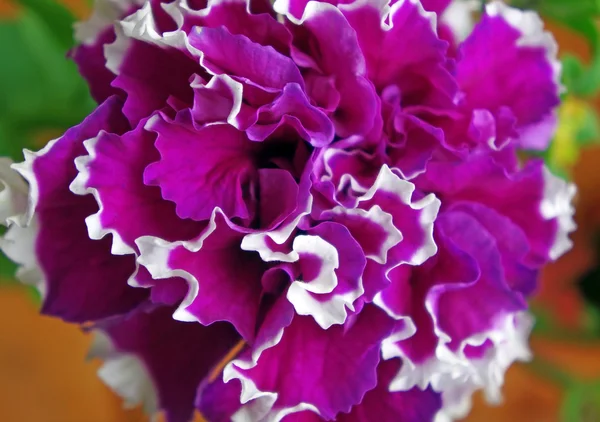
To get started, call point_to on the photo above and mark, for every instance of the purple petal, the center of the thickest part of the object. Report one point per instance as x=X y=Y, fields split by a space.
x=532 y=198
x=128 y=208
x=236 y=55
x=175 y=357
x=83 y=280
x=379 y=404
x=222 y=175
x=408 y=55
x=224 y=280
x=491 y=82
x=261 y=28
x=330 y=265
x=342 y=362
x=483 y=302
x=327 y=37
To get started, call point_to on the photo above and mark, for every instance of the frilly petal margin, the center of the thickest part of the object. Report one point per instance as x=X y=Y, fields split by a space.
x=531 y=96
x=343 y=362
x=19 y=239
x=129 y=209
x=378 y=404
x=159 y=362
x=13 y=193
x=558 y=204
x=65 y=253
x=216 y=269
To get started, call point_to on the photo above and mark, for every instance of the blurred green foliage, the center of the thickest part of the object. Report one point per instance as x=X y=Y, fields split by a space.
x=41 y=91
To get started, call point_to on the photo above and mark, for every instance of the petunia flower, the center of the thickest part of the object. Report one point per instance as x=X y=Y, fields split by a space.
x=305 y=211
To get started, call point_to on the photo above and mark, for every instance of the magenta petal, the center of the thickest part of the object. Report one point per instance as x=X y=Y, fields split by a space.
x=293 y=108
x=219 y=272
x=91 y=64
x=519 y=196
x=520 y=75
x=236 y=55
x=408 y=55
x=410 y=290
x=261 y=28
x=379 y=404
x=129 y=208
x=149 y=75
x=512 y=244
x=483 y=302
x=330 y=40
x=343 y=362
x=219 y=401
x=220 y=176
x=84 y=281
x=177 y=356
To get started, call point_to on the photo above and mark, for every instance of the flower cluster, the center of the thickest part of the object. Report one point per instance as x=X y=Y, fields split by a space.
x=304 y=211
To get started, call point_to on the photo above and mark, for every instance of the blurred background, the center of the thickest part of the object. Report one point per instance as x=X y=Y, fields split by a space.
x=44 y=373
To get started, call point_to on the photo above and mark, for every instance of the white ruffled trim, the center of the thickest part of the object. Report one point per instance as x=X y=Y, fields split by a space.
x=382 y=219
x=141 y=26
x=388 y=181
x=154 y=256
x=532 y=31
x=18 y=243
x=13 y=194
x=79 y=186
x=459 y=17
x=20 y=239
x=125 y=374
x=455 y=375
x=104 y=15
x=258 y=406
x=332 y=311
x=557 y=204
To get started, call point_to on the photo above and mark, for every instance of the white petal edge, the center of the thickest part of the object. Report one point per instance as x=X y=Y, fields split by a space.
x=79 y=186
x=332 y=311
x=141 y=26
x=259 y=405
x=532 y=31
x=388 y=181
x=125 y=374
x=104 y=14
x=154 y=256
x=380 y=218
x=455 y=375
x=459 y=17
x=13 y=194
x=558 y=204
x=18 y=243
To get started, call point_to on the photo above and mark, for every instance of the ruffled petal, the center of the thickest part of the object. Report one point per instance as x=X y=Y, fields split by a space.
x=531 y=94
x=83 y=280
x=159 y=362
x=327 y=43
x=343 y=362
x=406 y=52
x=328 y=274
x=217 y=271
x=129 y=209
x=224 y=176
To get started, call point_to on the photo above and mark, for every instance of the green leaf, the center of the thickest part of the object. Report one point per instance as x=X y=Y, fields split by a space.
x=57 y=18
x=581 y=402
x=579 y=80
x=40 y=88
x=589 y=131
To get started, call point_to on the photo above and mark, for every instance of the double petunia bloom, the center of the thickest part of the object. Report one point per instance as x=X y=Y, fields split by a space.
x=298 y=212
